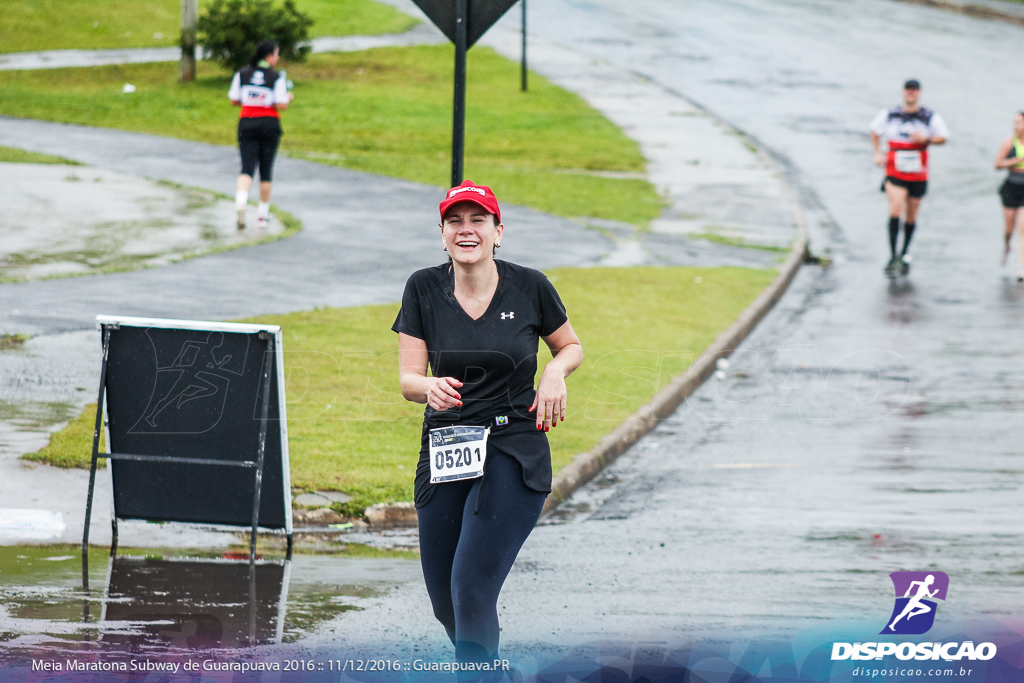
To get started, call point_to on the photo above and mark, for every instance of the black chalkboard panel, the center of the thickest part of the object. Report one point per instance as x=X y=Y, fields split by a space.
x=185 y=391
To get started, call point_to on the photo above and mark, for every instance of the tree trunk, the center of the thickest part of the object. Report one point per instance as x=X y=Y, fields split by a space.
x=189 y=16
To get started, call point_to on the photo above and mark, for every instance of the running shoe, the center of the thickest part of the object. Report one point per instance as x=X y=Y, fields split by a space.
x=893 y=265
x=1020 y=276
x=262 y=222
x=905 y=262
x=241 y=219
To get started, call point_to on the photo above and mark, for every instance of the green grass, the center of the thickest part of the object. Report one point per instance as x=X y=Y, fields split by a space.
x=12 y=341
x=735 y=241
x=30 y=25
x=20 y=156
x=351 y=430
x=385 y=111
x=71 y=447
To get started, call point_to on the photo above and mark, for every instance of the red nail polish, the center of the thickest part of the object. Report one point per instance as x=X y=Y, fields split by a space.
x=460 y=403
x=538 y=427
x=547 y=429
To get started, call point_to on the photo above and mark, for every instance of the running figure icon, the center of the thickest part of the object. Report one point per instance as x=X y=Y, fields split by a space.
x=914 y=606
x=194 y=360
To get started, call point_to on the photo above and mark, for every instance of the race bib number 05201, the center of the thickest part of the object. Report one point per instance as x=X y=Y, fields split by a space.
x=457 y=453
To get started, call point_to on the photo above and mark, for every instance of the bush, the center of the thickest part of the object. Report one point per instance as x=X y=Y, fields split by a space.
x=229 y=29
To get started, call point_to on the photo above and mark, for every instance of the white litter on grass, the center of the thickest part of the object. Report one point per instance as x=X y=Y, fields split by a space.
x=719 y=375
x=722 y=363
x=34 y=525
x=128 y=88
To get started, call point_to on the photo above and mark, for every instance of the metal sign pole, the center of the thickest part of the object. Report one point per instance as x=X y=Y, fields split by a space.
x=264 y=409
x=522 y=75
x=459 y=104
x=95 y=450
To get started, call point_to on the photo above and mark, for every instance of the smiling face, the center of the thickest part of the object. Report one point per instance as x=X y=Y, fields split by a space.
x=469 y=233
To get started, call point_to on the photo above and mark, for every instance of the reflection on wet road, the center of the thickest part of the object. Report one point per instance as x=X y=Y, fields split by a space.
x=150 y=604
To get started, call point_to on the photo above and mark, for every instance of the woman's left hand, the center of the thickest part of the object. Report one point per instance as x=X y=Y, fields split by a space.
x=549 y=403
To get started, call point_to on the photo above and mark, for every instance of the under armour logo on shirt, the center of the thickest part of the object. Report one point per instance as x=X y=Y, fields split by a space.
x=508 y=316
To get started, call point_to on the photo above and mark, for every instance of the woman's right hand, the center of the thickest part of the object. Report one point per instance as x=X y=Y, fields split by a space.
x=442 y=394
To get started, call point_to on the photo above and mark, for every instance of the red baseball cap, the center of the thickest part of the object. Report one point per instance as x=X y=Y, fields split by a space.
x=469 y=191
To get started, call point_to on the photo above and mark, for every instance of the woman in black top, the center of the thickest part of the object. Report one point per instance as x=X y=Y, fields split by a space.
x=475 y=321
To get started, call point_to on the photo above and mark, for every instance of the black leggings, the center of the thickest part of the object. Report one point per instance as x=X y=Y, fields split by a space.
x=257 y=141
x=466 y=554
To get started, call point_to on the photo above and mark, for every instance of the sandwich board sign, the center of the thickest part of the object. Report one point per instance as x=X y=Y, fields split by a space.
x=196 y=430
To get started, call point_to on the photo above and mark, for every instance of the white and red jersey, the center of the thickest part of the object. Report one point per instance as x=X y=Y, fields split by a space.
x=259 y=88
x=907 y=160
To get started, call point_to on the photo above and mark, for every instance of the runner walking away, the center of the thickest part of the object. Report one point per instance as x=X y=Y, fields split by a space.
x=261 y=91
x=1011 y=156
x=909 y=129
x=475 y=321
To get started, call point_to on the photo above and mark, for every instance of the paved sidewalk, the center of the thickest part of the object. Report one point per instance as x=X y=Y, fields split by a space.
x=363 y=235
x=61 y=59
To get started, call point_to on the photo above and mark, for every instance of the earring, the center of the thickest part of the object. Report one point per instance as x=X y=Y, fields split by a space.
x=498 y=245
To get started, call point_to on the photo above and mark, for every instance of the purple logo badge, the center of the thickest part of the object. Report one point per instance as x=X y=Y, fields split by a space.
x=916 y=596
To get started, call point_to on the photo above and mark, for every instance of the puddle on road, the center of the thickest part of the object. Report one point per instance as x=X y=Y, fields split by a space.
x=149 y=603
x=31 y=415
x=108 y=222
x=26 y=426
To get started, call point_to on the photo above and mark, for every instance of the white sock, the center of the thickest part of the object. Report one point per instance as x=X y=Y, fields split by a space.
x=263 y=210
x=241 y=199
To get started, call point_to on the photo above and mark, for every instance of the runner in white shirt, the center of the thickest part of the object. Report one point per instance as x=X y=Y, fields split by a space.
x=909 y=130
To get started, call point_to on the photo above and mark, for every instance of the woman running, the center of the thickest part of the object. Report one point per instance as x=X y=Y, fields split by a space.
x=261 y=91
x=1011 y=157
x=485 y=467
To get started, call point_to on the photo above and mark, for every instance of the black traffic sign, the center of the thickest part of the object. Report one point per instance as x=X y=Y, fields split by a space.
x=463 y=21
x=482 y=15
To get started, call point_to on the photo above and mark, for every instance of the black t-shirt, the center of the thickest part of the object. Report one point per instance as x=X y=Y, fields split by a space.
x=494 y=356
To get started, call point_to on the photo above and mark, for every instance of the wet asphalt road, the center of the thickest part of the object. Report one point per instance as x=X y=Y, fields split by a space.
x=342 y=212
x=867 y=426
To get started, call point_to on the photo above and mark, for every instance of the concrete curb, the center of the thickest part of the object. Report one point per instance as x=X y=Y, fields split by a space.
x=585 y=466
x=971 y=10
